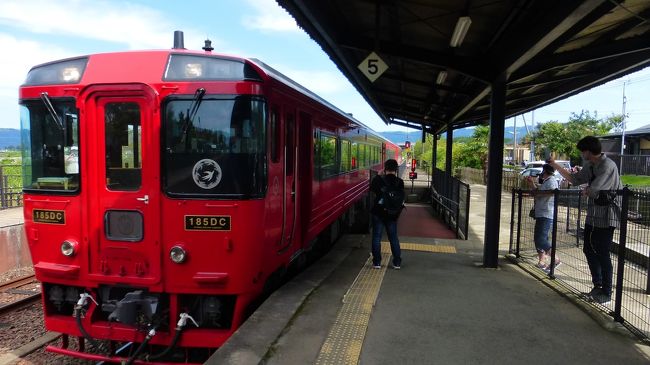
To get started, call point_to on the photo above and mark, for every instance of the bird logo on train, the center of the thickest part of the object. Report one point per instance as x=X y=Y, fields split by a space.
x=206 y=173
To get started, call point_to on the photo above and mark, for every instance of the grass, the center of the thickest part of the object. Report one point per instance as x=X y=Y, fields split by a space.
x=635 y=180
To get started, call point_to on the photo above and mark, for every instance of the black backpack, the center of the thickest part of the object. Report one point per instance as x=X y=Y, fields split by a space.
x=391 y=199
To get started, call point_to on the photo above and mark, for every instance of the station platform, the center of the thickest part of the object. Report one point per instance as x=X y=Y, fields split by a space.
x=441 y=307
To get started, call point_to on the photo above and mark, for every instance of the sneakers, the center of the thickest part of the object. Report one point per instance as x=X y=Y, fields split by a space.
x=376 y=266
x=541 y=266
x=396 y=267
x=597 y=295
x=595 y=291
x=602 y=298
x=557 y=264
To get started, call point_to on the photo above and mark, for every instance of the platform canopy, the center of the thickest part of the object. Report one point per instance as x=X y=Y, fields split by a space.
x=440 y=57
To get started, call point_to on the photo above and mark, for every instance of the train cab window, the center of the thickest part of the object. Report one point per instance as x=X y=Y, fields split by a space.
x=289 y=141
x=123 y=146
x=274 y=123
x=214 y=146
x=50 y=145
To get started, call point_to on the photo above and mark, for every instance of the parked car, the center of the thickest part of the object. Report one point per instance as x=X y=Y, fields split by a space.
x=536 y=171
x=564 y=163
x=531 y=171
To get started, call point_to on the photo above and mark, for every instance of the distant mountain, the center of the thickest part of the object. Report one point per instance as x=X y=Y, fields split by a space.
x=400 y=137
x=9 y=137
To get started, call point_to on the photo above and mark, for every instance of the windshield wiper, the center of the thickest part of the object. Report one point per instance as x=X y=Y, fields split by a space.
x=50 y=109
x=192 y=110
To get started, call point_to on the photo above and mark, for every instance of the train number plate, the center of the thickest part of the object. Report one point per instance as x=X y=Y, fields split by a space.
x=207 y=223
x=48 y=216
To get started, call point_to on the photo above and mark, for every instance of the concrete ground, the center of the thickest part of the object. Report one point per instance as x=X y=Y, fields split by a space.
x=440 y=308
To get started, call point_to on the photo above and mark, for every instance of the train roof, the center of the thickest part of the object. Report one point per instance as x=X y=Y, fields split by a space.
x=149 y=66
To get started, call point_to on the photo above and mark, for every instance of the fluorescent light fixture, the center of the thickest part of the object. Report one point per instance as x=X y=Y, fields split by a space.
x=460 y=31
x=442 y=76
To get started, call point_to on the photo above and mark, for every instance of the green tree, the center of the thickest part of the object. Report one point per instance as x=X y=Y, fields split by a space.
x=561 y=138
x=421 y=154
x=472 y=153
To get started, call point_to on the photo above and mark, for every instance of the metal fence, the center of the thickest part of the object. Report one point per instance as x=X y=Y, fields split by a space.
x=11 y=192
x=632 y=164
x=450 y=199
x=630 y=251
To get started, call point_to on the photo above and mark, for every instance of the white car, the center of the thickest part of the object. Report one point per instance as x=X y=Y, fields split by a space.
x=564 y=163
x=536 y=171
x=531 y=171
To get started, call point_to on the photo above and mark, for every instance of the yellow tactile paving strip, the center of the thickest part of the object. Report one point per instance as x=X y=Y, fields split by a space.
x=345 y=339
x=343 y=343
x=385 y=247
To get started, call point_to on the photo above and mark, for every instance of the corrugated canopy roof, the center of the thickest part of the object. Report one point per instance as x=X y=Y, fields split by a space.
x=547 y=49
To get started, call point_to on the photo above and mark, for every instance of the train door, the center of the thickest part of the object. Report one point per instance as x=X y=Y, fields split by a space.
x=290 y=188
x=304 y=171
x=125 y=189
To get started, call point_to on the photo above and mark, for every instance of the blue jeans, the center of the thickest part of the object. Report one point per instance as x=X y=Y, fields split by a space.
x=542 y=229
x=596 y=248
x=377 y=231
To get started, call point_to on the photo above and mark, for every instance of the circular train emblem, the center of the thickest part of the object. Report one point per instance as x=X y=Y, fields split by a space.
x=206 y=173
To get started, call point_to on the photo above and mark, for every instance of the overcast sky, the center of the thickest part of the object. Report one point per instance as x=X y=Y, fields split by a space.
x=37 y=31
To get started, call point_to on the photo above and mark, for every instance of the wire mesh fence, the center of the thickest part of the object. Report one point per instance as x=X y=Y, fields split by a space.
x=629 y=252
x=11 y=181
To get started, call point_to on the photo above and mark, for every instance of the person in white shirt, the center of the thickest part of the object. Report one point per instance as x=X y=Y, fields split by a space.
x=544 y=206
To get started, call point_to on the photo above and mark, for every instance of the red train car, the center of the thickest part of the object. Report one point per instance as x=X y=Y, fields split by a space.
x=166 y=190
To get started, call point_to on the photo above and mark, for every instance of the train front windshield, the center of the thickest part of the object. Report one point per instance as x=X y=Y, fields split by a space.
x=50 y=144
x=214 y=147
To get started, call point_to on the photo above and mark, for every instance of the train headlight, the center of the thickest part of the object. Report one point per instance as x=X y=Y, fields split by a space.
x=71 y=74
x=69 y=248
x=177 y=254
x=193 y=70
x=63 y=72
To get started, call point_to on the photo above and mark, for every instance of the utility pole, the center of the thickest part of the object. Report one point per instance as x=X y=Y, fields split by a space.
x=514 y=144
x=620 y=171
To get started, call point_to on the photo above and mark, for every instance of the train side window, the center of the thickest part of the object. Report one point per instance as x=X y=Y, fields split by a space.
x=345 y=156
x=354 y=161
x=123 y=146
x=328 y=156
x=275 y=135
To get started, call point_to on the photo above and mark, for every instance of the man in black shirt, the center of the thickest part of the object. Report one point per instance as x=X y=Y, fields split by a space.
x=383 y=217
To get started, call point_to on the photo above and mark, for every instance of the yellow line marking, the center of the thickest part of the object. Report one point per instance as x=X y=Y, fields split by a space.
x=385 y=247
x=345 y=339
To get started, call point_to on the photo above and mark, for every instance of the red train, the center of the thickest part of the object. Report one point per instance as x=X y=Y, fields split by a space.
x=167 y=190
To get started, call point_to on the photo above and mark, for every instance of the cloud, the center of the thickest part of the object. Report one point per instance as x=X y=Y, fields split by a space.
x=320 y=82
x=134 y=25
x=13 y=65
x=269 y=16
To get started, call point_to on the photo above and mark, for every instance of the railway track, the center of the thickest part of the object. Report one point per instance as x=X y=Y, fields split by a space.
x=18 y=297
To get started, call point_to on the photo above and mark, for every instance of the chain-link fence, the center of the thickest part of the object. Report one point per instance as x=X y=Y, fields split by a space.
x=629 y=252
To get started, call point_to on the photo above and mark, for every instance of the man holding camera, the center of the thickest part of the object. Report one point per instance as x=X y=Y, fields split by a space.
x=603 y=212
